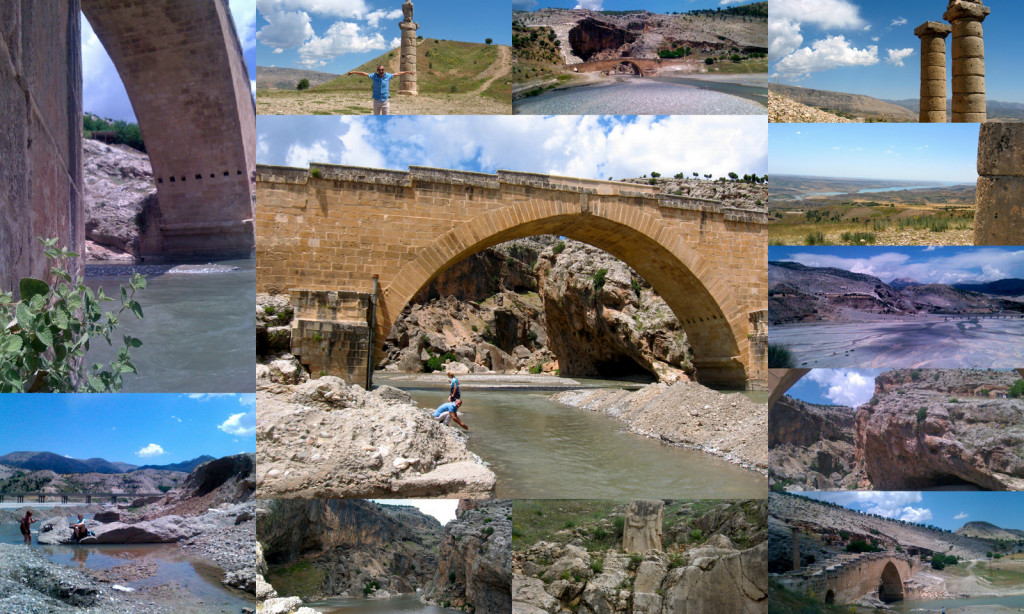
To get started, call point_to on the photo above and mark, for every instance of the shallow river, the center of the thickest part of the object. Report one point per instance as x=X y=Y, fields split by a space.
x=953 y=606
x=197 y=332
x=637 y=96
x=397 y=605
x=172 y=565
x=539 y=449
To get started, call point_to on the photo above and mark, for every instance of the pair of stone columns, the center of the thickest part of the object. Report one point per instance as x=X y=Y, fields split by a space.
x=966 y=17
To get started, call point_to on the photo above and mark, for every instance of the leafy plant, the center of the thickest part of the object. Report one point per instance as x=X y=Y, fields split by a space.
x=558 y=248
x=598 y=279
x=303 y=84
x=922 y=413
x=44 y=337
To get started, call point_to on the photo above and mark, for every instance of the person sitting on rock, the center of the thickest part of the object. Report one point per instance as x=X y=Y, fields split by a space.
x=454 y=393
x=26 y=527
x=79 y=529
x=381 y=81
x=448 y=412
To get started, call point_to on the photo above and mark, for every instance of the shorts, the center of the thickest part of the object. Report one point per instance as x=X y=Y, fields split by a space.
x=445 y=418
x=381 y=107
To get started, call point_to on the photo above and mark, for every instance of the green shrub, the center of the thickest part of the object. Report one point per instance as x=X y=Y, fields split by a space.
x=779 y=357
x=922 y=413
x=709 y=61
x=619 y=522
x=315 y=173
x=303 y=84
x=696 y=535
x=535 y=369
x=815 y=238
x=859 y=545
x=598 y=279
x=558 y=248
x=45 y=336
x=597 y=566
x=599 y=533
x=1016 y=390
x=857 y=238
x=433 y=364
x=488 y=531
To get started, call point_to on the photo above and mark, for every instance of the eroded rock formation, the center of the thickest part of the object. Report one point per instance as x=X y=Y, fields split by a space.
x=119 y=186
x=812 y=446
x=589 y=37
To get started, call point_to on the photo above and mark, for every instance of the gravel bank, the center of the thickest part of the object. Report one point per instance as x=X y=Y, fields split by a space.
x=784 y=110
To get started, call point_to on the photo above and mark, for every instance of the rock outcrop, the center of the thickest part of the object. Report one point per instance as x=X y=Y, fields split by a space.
x=731 y=426
x=589 y=37
x=927 y=428
x=812 y=446
x=348 y=548
x=119 y=188
x=475 y=560
x=325 y=439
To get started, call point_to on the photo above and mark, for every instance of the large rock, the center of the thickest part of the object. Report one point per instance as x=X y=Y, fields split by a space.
x=719 y=582
x=119 y=187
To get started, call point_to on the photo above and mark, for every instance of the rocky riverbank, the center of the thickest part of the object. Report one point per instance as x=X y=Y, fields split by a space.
x=729 y=426
x=325 y=439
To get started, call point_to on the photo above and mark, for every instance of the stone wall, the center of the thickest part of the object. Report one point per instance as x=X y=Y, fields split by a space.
x=330 y=333
x=334 y=227
x=40 y=145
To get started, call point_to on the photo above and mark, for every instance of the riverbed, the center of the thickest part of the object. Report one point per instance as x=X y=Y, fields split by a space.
x=913 y=342
x=196 y=333
x=972 y=605
x=539 y=449
x=161 y=564
x=647 y=96
x=396 y=605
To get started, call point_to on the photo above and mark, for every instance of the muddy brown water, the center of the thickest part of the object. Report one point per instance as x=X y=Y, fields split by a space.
x=396 y=605
x=539 y=449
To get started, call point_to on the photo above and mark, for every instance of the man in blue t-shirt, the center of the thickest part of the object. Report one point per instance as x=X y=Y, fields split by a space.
x=448 y=412
x=381 y=87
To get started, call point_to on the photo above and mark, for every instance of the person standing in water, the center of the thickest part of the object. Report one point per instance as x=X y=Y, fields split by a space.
x=26 y=527
x=454 y=393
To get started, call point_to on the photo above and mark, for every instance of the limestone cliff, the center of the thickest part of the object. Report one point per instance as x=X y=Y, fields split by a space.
x=118 y=187
x=475 y=565
x=811 y=446
x=347 y=547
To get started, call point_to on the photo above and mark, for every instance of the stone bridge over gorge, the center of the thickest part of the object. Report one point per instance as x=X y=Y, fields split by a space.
x=323 y=234
x=645 y=67
x=182 y=66
x=848 y=577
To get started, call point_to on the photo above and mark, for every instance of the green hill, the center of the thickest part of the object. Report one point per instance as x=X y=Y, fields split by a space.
x=443 y=67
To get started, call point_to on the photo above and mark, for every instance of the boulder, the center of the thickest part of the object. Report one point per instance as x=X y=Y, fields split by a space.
x=281 y=605
x=107 y=516
x=530 y=597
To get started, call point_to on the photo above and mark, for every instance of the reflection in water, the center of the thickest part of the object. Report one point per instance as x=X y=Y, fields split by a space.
x=397 y=605
x=196 y=333
x=541 y=449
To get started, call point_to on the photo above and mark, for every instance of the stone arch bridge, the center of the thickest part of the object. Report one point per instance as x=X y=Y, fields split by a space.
x=183 y=69
x=323 y=235
x=645 y=67
x=848 y=577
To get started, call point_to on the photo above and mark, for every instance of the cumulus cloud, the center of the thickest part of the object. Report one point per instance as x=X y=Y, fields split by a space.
x=844 y=386
x=243 y=13
x=896 y=56
x=102 y=90
x=285 y=29
x=375 y=17
x=786 y=19
x=961 y=516
x=241 y=425
x=150 y=451
x=899 y=21
x=341 y=37
x=896 y=505
x=828 y=53
x=594 y=5
x=302 y=155
x=331 y=8
x=942 y=267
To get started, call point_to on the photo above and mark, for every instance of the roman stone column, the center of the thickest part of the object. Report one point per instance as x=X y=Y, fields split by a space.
x=642 y=531
x=408 y=51
x=933 y=70
x=999 y=214
x=968 y=59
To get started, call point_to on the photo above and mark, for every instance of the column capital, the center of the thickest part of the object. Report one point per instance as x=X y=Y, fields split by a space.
x=933 y=28
x=966 y=9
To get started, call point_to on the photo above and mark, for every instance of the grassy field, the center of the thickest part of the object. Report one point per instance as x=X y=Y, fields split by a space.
x=868 y=222
x=747 y=66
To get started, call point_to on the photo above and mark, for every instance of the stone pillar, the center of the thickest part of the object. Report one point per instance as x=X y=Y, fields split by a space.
x=408 y=51
x=642 y=531
x=933 y=70
x=999 y=215
x=968 y=59
x=796 y=549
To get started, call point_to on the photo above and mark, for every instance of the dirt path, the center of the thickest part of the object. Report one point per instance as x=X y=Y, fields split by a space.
x=498 y=69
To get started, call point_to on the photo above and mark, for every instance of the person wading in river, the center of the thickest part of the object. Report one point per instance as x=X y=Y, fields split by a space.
x=26 y=527
x=448 y=412
x=454 y=393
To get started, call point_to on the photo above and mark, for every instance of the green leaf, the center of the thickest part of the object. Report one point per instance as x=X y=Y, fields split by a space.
x=30 y=287
x=45 y=336
x=13 y=344
x=25 y=315
x=60 y=318
x=124 y=295
x=136 y=309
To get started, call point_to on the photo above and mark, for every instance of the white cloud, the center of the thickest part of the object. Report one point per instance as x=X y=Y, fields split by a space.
x=441 y=509
x=243 y=13
x=374 y=18
x=896 y=56
x=844 y=386
x=899 y=21
x=176 y=418
x=301 y=155
x=785 y=20
x=961 y=516
x=594 y=5
x=206 y=396
x=286 y=30
x=150 y=451
x=830 y=52
x=102 y=90
x=912 y=514
x=359 y=145
x=330 y=8
x=278 y=50
x=889 y=504
x=241 y=425
x=976 y=265
x=247 y=400
x=341 y=37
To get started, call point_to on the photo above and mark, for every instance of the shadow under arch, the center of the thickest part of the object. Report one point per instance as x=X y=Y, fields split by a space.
x=890 y=587
x=715 y=326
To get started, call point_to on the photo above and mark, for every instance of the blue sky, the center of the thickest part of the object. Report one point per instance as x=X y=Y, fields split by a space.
x=869 y=47
x=937 y=153
x=576 y=146
x=141 y=429
x=849 y=387
x=654 y=6
x=102 y=90
x=945 y=265
x=338 y=35
x=947 y=510
x=441 y=509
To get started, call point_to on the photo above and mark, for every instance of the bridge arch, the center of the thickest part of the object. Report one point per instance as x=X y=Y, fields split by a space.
x=830 y=597
x=890 y=586
x=333 y=228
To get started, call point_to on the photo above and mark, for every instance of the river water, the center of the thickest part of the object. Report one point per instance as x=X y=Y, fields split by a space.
x=878 y=190
x=197 y=333
x=539 y=449
x=639 y=96
x=396 y=605
x=171 y=565
x=953 y=606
